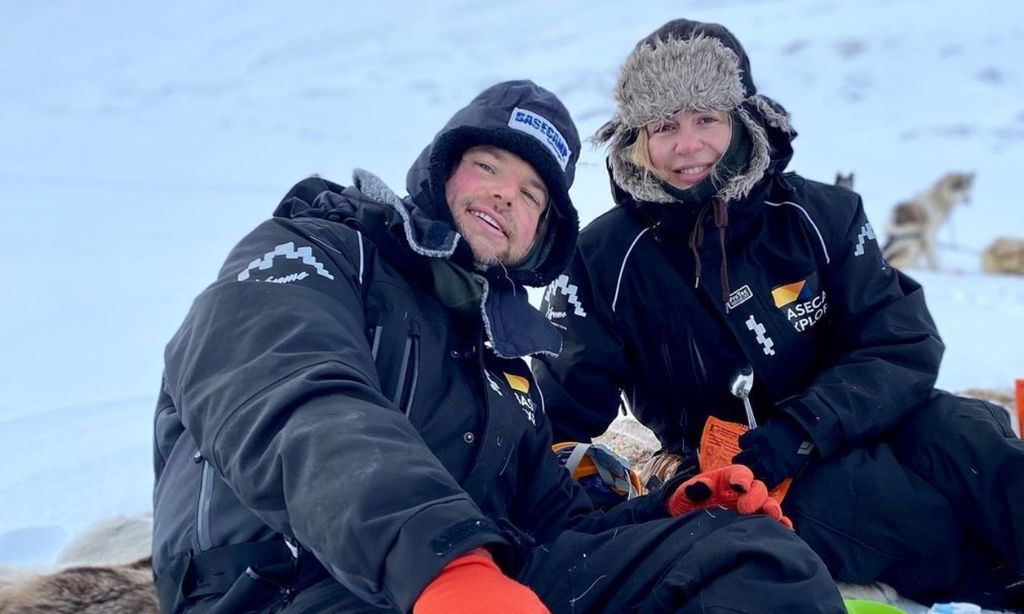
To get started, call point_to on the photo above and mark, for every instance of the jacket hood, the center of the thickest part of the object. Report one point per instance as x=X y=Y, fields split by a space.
x=692 y=65
x=531 y=122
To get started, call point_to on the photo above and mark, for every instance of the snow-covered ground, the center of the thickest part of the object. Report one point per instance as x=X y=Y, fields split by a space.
x=139 y=141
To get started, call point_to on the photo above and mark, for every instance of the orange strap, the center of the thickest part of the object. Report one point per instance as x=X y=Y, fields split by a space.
x=1020 y=406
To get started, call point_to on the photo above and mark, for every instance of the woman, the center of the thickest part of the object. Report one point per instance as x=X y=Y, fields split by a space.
x=894 y=481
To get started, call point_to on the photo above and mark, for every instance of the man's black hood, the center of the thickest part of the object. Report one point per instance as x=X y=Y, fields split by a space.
x=532 y=123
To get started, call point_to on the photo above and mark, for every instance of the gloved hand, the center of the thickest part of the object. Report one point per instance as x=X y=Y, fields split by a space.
x=731 y=487
x=473 y=583
x=775 y=451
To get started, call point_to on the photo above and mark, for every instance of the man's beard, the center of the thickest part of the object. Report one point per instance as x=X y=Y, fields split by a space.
x=502 y=258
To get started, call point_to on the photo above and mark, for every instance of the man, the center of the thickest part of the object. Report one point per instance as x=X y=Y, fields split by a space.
x=347 y=424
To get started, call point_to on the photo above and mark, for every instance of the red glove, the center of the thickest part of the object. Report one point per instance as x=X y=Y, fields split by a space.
x=473 y=583
x=731 y=487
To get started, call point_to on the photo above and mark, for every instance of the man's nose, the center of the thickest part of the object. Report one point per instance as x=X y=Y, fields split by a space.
x=503 y=191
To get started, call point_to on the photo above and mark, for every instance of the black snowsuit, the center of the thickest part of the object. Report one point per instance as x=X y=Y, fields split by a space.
x=911 y=485
x=343 y=414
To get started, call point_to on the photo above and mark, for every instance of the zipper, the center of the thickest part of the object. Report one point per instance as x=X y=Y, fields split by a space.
x=697 y=360
x=410 y=392
x=481 y=365
x=203 y=508
x=667 y=357
x=408 y=374
x=375 y=341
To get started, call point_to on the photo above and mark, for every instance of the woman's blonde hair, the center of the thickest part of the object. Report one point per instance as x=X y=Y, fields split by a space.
x=640 y=153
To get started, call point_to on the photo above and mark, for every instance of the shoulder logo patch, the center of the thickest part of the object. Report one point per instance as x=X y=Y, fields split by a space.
x=867 y=233
x=560 y=299
x=286 y=251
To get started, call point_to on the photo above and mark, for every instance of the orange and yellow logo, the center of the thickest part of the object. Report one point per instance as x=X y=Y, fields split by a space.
x=788 y=293
x=517 y=382
x=802 y=290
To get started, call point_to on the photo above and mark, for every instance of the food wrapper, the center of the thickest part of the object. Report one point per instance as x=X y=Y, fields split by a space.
x=719 y=443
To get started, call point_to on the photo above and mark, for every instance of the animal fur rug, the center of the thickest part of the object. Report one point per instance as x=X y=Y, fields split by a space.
x=107 y=570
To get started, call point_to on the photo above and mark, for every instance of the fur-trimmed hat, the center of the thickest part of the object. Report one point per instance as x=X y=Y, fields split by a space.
x=688 y=65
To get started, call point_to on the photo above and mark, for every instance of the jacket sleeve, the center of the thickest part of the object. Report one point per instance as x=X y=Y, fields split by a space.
x=276 y=382
x=582 y=384
x=885 y=349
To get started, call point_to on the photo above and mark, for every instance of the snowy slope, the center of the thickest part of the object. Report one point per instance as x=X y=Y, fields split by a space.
x=141 y=140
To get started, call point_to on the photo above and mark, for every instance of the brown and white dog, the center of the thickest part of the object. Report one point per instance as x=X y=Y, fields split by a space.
x=914 y=224
x=1004 y=255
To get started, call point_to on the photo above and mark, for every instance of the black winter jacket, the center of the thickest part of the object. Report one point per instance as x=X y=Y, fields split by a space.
x=322 y=391
x=837 y=339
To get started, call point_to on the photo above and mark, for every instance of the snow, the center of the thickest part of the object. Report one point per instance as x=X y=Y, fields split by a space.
x=140 y=141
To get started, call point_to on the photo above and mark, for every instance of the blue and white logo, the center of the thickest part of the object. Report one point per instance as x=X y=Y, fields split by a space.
x=538 y=126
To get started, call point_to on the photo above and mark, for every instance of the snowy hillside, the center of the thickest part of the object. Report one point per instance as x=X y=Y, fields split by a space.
x=141 y=140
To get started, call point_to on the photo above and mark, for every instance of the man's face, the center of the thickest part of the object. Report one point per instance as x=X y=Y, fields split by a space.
x=497 y=200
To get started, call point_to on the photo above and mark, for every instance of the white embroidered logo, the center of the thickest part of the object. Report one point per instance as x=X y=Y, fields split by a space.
x=526 y=404
x=866 y=233
x=739 y=297
x=494 y=384
x=758 y=329
x=557 y=306
x=288 y=251
x=287 y=279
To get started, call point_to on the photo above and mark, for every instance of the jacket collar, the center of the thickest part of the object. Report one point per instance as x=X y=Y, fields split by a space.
x=513 y=327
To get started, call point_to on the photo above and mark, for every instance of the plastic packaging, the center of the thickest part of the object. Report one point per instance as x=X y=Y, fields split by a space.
x=955 y=608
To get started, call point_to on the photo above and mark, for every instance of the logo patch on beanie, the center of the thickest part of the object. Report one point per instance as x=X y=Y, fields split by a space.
x=540 y=128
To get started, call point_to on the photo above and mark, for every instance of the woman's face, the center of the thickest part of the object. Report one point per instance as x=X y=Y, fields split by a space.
x=685 y=147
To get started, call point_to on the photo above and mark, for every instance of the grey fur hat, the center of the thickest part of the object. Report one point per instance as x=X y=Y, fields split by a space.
x=687 y=65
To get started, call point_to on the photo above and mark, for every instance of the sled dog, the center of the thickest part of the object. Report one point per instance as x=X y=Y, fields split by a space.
x=914 y=224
